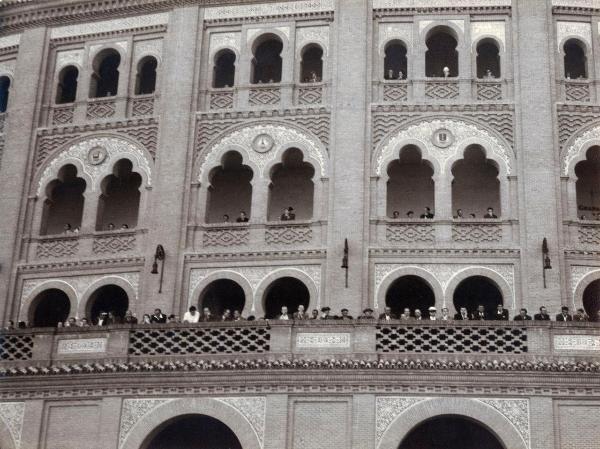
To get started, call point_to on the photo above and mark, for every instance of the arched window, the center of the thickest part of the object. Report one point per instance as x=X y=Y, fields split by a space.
x=49 y=308
x=410 y=292
x=105 y=78
x=4 y=91
x=224 y=71
x=110 y=299
x=395 y=63
x=311 y=67
x=230 y=190
x=488 y=59
x=410 y=187
x=475 y=291
x=145 y=81
x=220 y=295
x=267 y=62
x=588 y=185
x=292 y=186
x=286 y=291
x=63 y=208
x=591 y=300
x=441 y=53
x=575 y=59
x=475 y=187
x=66 y=91
x=120 y=200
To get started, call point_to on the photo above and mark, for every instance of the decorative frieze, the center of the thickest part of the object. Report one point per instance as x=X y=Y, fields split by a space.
x=308 y=94
x=395 y=92
x=476 y=232
x=81 y=346
x=410 y=233
x=101 y=109
x=577 y=30
x=313 y=35
x=322 y=340
x=424 y=4
x=141 y=107
x=12 y=413
x=108 y=26
x=253 y=408
x=390 y=31
x=577 y=91
x=489 y=91
x=516 y=411
x=11 y=40
x=589 y=235
x=63 y=115
x=288 y=235
x=264 y=96
x=495 y=29
x=268 y=9
x=442 y=90
x=388 y=408
x=57 y=248
x=114 y=244
x=576 y=342
x=219 y=41
x=221 y=99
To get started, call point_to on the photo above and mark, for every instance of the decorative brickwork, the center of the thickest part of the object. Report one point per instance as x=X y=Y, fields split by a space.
x=16 y=347
x=442 y=90
x=288 y=235
x=113 y=244
x=476 y=233
x=56 y=248
x=589 y=234
x=141 y=107
x=487 y=91
x=63 y=115
x=396 y=92
x=410 y=233
x=310 y=95
x=577 y=91
x=225 y=237
x=264 y=96
x=101 y=109
x=221 y=99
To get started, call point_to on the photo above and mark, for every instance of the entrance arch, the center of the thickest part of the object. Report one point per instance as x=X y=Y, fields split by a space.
x=108 y=298
x=49 y=307
x=409 y=291
x=222 y=294
x=285 y=291
x=476 y=290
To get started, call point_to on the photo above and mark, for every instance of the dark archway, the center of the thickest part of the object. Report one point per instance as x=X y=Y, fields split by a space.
x=193 y=432
x=587 y=186
x=66 y=91
x=285 y=291
x=409 y=291
x=488 y=58
x=222 y=294
x=311 y=67
x=224 y=71
x=145 y=82
x=475 y=291
x=267 y=62
x=450 y=432
x=575 y=60
x=108 y=298
x=591 y=300
x=49 y=308
x=105 y=77
x=395 y=63
x=4 y=92
x=64 y=202
x=119 y=203
x=441 y=52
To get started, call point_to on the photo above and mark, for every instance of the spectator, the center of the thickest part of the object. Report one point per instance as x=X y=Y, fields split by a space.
x=130 y=318
x=427 y=213
x=314 y=314
x=237 y=316
x=288 y=214
x=479 y=314
x=367 y=314
x=10 y=326
x=225 y=218
x=172 y=319
x=418 y=315
x=459 y=214
x=410 y=214
x=191 y=316
x=389 y=75
x=445 y=314
x=300 y=314
x=580 y=316
x=387 y=314
x=103 y=319
x=21 y=325
x=345 y=315
x=114 y=319
x=206 y=316
x=432 y=313
x=67 y=229
x=325 y=313
x=564 y=314
x=463 y=314
x=522 y=316
x=146 y=319
x=446 y=71
x=71 y=322
x=472 y=216
x=395 y=215
x=542 y=316
x=501 y=314
x=124 y=226
x=242 y=218
x=111 y=227
x=158 y=317
x=84 y=322
x=406 y=312
x=400 y=75
x=490 y=213
x=284 y=314
x=404 y=317
x=76 y=229
x=226 y=315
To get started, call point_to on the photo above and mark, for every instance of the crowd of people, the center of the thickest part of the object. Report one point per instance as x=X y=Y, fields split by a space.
x=428 y=214
x=69 y=229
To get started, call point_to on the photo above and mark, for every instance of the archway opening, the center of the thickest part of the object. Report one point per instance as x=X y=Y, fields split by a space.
x=267 y=62
x=311 y=67
x=488 y=59
x=66 y=91
x=441 y=52
x=145 y=82
x=450 y=432
x=49 y=308
x=105 y=76
x=292 y=186
x=285 y=291
x=222 y=294
x=411 y=292
x=230 y=190
x=475 y=291
x=193 y=432
x=410 y=187
x=63 y=207
x=587 y=185
x=4 y=91
x=395 y=64
x=575 y=61
x=591 y=300
x=108 y=298
x=475 y=187
x=120 y=200
x=224 y=71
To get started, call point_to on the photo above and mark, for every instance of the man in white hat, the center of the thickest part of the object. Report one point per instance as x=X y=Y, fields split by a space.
x=432 y=313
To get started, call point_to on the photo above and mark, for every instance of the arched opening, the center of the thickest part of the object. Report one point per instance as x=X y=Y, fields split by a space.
x=193 y=432
x=285 y=291
x=267 y=62
x=110 y=299
x=475 y=291
x=591 y=300
x=220 y=295
x=450 y=432
x=145 y=80
x=120 y=200
x=441 y=52
x=575 y=60
x=488 y=59
x=311 y=67
x=105 y=76
x=66 y=91
x=292 y=186
x=63 y=207
x=410 y=187
x=49 y=308
x=411 y=292
x=587 y=185
x=224 y=70
x=4 y=91
x=395 y=63
x=230 y=190
x=475 y=187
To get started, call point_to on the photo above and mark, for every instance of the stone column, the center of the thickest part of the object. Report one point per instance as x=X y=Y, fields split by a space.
x=14 y=178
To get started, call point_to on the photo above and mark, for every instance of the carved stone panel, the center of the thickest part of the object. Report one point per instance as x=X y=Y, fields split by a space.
x=11 y=413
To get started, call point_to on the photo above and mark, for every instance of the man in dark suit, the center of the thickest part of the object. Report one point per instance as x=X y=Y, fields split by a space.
x=206 y=316
x=479 y=314
x=490 y=213
x=522 y=316
x=387 y=315
x=500 y=314
x=345 y=315
x=158 y=317
x=367 y=314
x=564 y=314
x=463 y=314
x=542 y=316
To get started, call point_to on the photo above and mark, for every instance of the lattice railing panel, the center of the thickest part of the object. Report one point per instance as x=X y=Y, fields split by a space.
x=310 y=94
x=226 y=237
x=452 y=339
x=63 y=115
x=56 y=248
x=288 y=235
x=261 y=96
x=101 y=109
x=476 y=233
x=395 y=92
x=141 y=107
x=199 y=340
x=589 y=234
x=577 y=91
x=408 y=233
x=442 y=90
x=488 y=91
x=113 y=244
x=223 y=99
x=16 y=347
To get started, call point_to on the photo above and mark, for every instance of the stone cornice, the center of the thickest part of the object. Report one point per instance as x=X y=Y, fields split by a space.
x=94 y=127
x=256 y=255
x=437 y=108
x=80 y=265
x=441 y=252
x=259 y=114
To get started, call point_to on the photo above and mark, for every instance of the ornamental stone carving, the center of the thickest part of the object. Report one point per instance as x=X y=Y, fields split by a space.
x=459 y=23
x=576 y=151
x=69 y=57
x=242 y=140
x=388 y=408
x=253 y=32
x=115 y=148
x=219 y=41
x=496 y=29
x=11 y=413
x=107 y=26
x=133 y=410
x=147 y=47
x=580 y=30
x=422 y=133
x=253 y=409
x=318 y=34
x=391 y=31
x=516 y=411
x=268 y=9
x=11 y=40
x=8 y=67
x=409 y=4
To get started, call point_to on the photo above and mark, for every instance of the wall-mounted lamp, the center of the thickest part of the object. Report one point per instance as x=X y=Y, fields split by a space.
x=159 y=255
x=345 y=260
x=546 y=263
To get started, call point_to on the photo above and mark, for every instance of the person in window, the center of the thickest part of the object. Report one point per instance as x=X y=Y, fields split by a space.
x=445 y=314
x=206 y=316
x=395 y=215
x=103 y=319
x=387 y=314
x=300 y=314
x=225 y=218
x=490 y=213
x=432 y=314
x=314 y=314
x=172 y=319
x=325 y=313
x=226 y=315
x=580 y=316
x=367 y=314
x=67 y=229
x=472 y=216
x=130 y=318
x=479 y=314
x=237 y=316
x=564 y=314
x=284 y=314
x=410 y=214
x=488 y=75
x=110 y=227
x=459 y=214
x=522 y=316
x=542 y=316
x=76 y=229
x=146 y=319
x=242 y=218
x=418 y=315
x=400 y=75
x=500 y=314
x=124 y=226
x=344 y=315
x=427 y=213
x=191 y=316
x=84 y=322
x=158 y=317
x=313 y=77
x=446 y=71
x=462 y=315
x=389 y=75
x=288 y=214
x=71 y=322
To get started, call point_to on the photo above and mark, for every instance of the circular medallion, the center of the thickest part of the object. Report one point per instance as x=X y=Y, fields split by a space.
x=97 y=155
x=262 y=143
x=442 y=138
